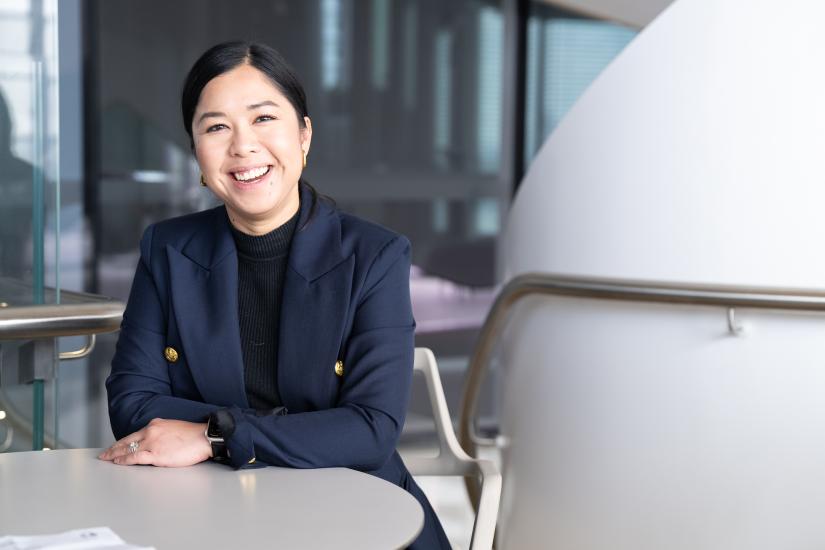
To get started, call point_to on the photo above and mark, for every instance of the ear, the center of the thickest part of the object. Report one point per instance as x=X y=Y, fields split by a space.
x=306 y=135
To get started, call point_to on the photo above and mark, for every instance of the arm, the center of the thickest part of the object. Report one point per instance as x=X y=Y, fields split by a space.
x=139 y=388
x=362 y=430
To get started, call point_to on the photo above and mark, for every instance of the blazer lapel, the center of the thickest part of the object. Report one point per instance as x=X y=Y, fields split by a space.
x=204 y=285
x=313 y=308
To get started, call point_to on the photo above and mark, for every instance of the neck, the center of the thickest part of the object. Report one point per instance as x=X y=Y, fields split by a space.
x=263 y=225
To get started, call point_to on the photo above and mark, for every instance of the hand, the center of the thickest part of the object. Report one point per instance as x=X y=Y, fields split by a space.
x=162 y=443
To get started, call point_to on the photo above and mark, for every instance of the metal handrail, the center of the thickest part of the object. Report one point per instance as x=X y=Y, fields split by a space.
x=81 y=314
x=51 y=321
x=729 y=297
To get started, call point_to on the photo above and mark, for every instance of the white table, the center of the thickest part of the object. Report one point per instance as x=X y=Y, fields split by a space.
x=204 y=506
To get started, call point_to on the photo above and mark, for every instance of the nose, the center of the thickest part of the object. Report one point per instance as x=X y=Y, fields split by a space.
x=244 y=141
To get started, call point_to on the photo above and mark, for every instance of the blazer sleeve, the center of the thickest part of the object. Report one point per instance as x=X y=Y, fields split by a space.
x=362 y=430
x=139 y=388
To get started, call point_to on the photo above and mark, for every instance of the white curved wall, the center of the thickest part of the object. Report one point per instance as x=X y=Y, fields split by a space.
x=695 y=157
x=648 y=427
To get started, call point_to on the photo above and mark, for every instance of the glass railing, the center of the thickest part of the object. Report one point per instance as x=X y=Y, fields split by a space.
x=29 y=205
x=29 y=145
x=29 y=332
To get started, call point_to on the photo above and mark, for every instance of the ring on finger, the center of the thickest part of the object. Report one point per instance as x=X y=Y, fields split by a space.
x=133 y=446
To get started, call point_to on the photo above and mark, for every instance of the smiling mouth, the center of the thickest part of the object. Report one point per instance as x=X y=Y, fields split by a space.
x=252 y=175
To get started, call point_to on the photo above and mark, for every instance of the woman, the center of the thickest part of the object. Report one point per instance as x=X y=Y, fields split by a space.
x=273 y=329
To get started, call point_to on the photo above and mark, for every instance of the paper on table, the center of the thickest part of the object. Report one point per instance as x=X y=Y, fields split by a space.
x=99 y=538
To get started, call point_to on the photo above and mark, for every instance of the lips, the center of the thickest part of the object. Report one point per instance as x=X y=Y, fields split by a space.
x=250 y=175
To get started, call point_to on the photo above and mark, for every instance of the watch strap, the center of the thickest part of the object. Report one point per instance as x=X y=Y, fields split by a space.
x=219 y=427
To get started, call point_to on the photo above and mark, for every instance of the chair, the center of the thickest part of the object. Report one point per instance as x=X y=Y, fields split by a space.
x=452 y=460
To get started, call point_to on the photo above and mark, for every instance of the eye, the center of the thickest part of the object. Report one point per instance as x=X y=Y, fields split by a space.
x=265 y=118
x=215 y=128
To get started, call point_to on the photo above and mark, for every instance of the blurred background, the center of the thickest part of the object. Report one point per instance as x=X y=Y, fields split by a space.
x=568 y=137
x=425 y=113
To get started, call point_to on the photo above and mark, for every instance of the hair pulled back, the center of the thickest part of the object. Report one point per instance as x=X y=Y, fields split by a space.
x=224 y=57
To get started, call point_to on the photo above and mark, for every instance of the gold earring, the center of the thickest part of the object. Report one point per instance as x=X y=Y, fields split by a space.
x=203 y=181
x=305 y=159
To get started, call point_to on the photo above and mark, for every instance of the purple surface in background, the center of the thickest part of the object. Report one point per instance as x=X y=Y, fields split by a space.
x=440 y=305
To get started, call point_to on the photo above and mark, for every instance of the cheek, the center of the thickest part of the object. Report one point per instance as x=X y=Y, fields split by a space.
x=208 y=156
x=286 y=145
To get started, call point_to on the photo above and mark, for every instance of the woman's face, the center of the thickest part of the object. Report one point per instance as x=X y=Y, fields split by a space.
x=250 y=148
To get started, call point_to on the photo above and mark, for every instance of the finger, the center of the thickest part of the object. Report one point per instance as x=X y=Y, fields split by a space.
x=140 y=457
x=119 y=452
x=134 y=436
x=124 y=441
x=121 y=447
x=116 y=449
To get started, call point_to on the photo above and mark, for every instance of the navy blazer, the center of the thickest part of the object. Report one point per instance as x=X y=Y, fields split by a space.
x=346 y=297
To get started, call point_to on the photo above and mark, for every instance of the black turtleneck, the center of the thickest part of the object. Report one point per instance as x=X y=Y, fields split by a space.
x=262 y=262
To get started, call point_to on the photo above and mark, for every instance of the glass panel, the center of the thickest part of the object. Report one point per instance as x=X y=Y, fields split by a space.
x=565 y=52
x=29 y=209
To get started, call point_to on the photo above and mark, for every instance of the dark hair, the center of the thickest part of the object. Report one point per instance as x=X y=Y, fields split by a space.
x=226 y=56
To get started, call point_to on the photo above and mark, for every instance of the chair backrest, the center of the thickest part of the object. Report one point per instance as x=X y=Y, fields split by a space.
x=452 y=460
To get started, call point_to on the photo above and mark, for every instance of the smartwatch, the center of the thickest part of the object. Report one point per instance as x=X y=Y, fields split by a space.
x=219 y=428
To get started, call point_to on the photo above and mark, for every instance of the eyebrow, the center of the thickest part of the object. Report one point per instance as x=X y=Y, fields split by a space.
x=218 y=114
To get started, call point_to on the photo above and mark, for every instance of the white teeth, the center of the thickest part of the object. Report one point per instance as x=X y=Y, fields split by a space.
x=251 y=174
